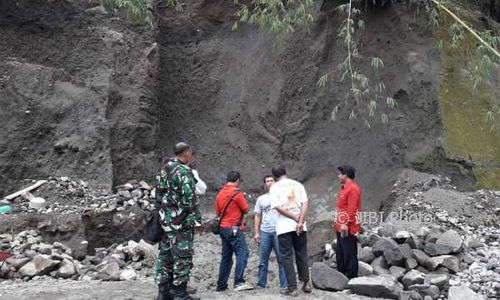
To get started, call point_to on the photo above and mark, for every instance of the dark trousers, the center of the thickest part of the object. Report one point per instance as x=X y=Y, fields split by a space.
x=290 y=242
x=232 y=244
x=347 y=255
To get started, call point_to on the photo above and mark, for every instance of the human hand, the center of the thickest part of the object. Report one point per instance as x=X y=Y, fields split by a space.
x=300 y=228
x=256 y=238
x=344 y=230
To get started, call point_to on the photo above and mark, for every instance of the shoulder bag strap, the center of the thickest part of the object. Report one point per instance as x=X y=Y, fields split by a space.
x=225 y=207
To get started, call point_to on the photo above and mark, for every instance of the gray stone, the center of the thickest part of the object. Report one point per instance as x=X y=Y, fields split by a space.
x=411 y=263
x=406 y=251
x=109 y=268
x=410 y=295
x=397 y=272
x=439 y=280
x=388 y=230
x=414 y=241
x=43 y=248
x=17 y=263
x=383 y=286
x=448 y=261
x=451 y=239
x=426 y=290
x=66 y=270
x=394 y=256
x=383 y=244
x=402 y=234
x=413 y=277
x=473 y=243
x=40 y=265
x=437 y=249
x=462 y=293
x=422 y=232
x=420 y=256
x=366 y=255
x=380 y=266
x=136 y=194
x=364 y=269
x=128 y=275
x=125 y=194
x=325 y=278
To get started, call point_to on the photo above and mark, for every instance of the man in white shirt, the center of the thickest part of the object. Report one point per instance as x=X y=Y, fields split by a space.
x=289 y=198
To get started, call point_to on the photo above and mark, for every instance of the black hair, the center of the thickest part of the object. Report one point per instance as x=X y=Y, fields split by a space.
x=349 y=171
x=233 y=176
x=267 y=176
x=278 y=171
x=179 y=148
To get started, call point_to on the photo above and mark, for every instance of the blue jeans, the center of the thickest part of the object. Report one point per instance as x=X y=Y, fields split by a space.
x=232 y=244
x=268 y=242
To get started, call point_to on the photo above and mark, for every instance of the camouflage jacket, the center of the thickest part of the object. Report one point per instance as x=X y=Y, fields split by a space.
x=175 y=194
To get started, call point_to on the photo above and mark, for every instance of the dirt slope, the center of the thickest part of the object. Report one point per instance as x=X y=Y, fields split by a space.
x=84 y=93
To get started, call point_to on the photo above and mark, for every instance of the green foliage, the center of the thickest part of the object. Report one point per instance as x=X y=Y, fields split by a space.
x=276 y=17
x=137 y=11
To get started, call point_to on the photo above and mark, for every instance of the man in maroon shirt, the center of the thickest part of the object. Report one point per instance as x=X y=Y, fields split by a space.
x=346 y=224
x=231 y=232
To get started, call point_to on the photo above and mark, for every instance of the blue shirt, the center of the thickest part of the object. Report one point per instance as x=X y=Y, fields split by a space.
x=269 y=215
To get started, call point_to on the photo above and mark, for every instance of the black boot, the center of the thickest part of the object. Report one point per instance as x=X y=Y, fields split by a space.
x=180 y=293
x=164 y=291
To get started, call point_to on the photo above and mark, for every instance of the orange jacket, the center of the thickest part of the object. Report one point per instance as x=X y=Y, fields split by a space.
x=235 y=210
x=348 y=206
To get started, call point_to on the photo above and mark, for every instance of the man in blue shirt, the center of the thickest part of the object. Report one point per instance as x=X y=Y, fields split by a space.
x=265 y=234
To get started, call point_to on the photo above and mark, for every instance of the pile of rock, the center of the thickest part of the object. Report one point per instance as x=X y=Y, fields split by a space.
x=65 y=196
x=395 y=263
x=33 y=258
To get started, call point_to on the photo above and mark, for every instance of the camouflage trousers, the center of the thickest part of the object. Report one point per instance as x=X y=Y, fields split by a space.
x=175 y=259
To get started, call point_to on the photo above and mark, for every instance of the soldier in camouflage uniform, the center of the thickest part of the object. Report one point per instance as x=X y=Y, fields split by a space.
x=175 y=195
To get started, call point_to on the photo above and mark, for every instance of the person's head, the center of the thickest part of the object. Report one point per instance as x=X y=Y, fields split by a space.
x=346 y=172
x=268 y=181
x=234 y=177
x=183 y=152
x=279 y=172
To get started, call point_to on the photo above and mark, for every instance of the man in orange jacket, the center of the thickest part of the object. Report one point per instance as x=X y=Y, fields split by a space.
x=346 y=223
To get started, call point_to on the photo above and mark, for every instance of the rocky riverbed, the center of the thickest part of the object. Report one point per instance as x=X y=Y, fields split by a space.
x=451 y=250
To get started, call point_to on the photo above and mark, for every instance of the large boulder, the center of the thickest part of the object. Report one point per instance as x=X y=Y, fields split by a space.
x=66 y=270
x=382 y=245
x=420 y=256
x=448 y=261
x=451 y=239
x=394 y=256
x=326 y=278
x=397 y=272
x=380 y=266
x=462 y=293
x=434 y=249
x=40 y=265
x=364 y=269
x=366 y=255
x=384 y=286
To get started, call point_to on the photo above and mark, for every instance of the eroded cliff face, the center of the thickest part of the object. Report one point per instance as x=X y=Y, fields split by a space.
x=246 y=107
x=77 y=93
x=85 y=94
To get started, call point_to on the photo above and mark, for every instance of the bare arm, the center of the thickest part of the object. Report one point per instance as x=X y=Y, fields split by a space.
x=256 y=225
x=303 y=212
x=287 y=214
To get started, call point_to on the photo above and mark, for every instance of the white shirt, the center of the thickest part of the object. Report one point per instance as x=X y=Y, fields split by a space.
x=269 y=215
x=290 y=195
